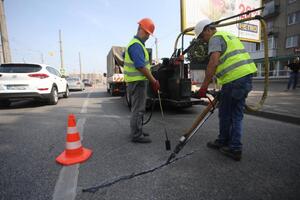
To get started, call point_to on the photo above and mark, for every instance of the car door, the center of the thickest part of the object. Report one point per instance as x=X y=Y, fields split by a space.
x=56 y=79
x=62 y=81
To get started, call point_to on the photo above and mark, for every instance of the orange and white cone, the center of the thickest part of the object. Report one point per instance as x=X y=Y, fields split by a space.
x=74 y=152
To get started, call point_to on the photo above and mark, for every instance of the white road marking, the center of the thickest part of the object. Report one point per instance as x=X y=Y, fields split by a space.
x=66 y=185
x=65 y=188
x=85 y=104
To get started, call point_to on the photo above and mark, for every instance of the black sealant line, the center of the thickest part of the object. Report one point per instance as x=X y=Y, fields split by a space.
x=94 y=189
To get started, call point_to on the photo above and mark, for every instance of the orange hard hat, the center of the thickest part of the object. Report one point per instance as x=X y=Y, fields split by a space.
x=147 y=24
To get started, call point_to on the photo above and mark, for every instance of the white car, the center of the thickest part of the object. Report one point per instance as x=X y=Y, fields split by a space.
x=37 y=81
x=75 y=83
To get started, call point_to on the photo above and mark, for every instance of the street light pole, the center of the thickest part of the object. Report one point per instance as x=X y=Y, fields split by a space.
x=62 y=70
x=4 y=36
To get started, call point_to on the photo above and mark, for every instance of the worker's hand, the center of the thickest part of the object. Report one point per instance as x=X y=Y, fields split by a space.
x=202 y=92
x=178 y=60
x=155 y=86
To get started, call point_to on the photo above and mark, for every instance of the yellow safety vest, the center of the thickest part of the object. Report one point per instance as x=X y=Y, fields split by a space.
x=235 y=61
x=130 y=72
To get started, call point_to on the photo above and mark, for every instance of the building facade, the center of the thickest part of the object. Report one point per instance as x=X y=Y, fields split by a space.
x=94 y=77
x=283 y=28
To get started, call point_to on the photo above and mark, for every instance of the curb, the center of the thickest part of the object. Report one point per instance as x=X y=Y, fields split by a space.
x=270 y=115
x=275 y=116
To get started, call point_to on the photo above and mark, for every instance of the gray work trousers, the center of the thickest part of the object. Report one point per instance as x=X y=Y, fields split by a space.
x=137 y=93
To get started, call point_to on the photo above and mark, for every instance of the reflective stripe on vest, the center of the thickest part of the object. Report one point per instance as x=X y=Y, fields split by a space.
x=233 y=53
x=132 y=64
x=235 y=61
x=231 y=67
x=130 y=72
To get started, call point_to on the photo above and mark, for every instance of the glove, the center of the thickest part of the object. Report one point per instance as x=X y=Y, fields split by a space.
x=155 y=86
x=202 y=92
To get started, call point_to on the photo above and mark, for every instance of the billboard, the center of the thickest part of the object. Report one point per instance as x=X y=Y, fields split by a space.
x=193 y=11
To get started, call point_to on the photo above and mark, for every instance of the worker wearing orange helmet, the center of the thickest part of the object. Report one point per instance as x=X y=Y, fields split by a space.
x=137 y=75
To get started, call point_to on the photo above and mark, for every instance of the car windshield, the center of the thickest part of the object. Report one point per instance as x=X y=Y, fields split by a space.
x=19 y=68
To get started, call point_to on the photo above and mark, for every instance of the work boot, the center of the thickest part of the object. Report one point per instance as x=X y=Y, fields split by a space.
x=215 y=144
x=234 y=154
x=146 y=134
x=141 y=140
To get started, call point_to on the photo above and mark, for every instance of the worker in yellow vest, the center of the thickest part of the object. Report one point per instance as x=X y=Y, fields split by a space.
x=137 y=74
x=233 y=67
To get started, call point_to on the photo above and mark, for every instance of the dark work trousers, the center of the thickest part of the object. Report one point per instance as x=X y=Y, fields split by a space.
x=137 y=91
x=293 y=79
x=231 y=111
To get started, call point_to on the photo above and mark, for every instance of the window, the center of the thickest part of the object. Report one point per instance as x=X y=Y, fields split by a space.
x=269 y=25
x=271 y=43
x=292 y=1
x=19 y=68
x=53 y=71
x=56 y=72
x=249 y=46
x=294 y=18
x=292 y=41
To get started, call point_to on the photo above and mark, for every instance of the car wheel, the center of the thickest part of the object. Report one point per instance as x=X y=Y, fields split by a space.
x=67 y=93
x=5 y=103
x=53 y=99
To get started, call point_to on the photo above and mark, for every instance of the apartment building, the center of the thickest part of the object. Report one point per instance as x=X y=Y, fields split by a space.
x=283 y=28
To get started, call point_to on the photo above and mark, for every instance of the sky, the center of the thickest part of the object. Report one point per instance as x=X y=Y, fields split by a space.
x=90 y=27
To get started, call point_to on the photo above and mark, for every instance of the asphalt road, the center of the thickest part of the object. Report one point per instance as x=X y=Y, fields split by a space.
x=33 y=135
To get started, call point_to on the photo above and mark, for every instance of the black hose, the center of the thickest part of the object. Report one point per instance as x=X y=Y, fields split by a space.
x=151 y=112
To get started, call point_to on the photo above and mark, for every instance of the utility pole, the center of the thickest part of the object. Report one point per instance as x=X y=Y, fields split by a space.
x=62 y=70
x=4 y=36
x=156 y=50
x=42 y=57
x=80 y=67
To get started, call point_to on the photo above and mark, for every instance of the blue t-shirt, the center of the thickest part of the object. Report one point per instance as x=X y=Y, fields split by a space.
x=137 y=55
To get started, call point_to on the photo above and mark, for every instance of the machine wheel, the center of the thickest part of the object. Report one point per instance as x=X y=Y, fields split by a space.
x=5 y=103
x=53 y=99
x=149 y=104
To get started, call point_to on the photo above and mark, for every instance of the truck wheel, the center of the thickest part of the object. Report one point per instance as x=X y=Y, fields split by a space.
x=53 y=99
x=108 y=88
x=111 y=90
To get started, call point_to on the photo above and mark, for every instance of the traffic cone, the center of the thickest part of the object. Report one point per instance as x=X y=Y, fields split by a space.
x=74 y=152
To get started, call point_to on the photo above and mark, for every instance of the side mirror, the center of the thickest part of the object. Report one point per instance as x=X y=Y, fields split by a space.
x=104 y=74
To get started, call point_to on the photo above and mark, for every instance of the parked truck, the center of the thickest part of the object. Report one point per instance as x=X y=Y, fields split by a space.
x=115 y=77
x=115 y=72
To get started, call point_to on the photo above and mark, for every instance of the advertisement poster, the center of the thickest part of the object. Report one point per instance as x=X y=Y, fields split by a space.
x=193 y=11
